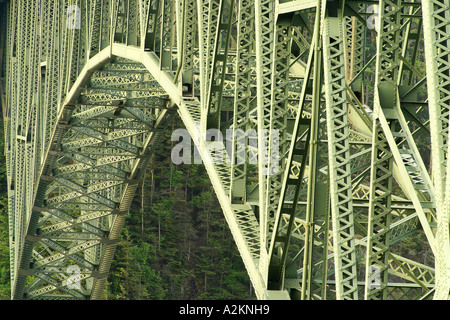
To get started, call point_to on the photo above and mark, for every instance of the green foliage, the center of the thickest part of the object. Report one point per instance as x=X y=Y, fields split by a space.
x=176 y=244
x=5 y=285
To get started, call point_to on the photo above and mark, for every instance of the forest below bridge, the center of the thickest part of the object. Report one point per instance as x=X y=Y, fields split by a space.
x=175 y=243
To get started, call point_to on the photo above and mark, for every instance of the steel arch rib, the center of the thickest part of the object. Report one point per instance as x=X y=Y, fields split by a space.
x=98 y=60
x=165 y=79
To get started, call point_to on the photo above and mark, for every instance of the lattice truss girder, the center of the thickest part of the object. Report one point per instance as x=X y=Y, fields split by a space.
x=322 y=180
x=100 y=150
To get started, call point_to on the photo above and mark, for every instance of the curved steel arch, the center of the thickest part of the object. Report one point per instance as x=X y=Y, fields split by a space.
x=71 y=172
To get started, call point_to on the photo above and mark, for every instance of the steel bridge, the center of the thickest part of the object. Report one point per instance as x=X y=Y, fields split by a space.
x=341 y=161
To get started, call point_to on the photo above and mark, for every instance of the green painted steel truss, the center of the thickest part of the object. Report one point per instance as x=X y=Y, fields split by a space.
x=339 y=112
